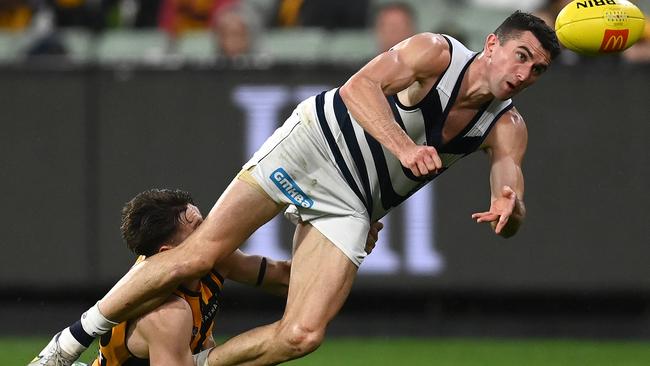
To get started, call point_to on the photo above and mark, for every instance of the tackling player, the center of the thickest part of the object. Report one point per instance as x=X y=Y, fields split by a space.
x=155 y=221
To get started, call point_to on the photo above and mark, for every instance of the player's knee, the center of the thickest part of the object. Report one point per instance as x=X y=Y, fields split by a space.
x=301 y=339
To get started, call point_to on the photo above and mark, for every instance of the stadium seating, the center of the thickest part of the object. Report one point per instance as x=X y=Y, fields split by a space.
x=349 y=46
x=78 y=44
x=476 y=23
x=7 y=51
x=196 y=47
x=146 y=46
x=11 y=45
x=429 y=13
x=293 y=45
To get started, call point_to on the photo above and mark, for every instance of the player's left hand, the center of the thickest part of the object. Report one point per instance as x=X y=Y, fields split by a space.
x=500 y=210
x=373 y=236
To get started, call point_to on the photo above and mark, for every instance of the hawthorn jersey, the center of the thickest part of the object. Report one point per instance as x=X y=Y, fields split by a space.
x=113 y=350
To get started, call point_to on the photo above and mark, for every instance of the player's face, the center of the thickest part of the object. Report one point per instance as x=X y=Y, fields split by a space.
x=189 y=221
x=516 y=64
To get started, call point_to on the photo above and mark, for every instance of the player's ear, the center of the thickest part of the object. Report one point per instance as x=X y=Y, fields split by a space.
x=164 y=247
x=490 y=42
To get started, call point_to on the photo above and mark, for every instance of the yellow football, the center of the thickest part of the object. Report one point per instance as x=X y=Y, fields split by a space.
x=599 y=26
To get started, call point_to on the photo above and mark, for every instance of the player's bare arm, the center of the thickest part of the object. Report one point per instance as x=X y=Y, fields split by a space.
x=409 y=68
x=271 y=275
x=152 y=336
x=506 y=146
x=254 y=270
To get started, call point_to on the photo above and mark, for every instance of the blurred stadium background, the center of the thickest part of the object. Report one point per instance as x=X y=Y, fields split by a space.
x=101 y=106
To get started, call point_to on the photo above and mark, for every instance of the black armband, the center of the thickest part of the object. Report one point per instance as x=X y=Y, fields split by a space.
x=262 y=272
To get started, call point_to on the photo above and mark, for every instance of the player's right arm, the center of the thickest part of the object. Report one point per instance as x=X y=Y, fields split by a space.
x=166 y=332
x=272 y=275
x=411 y=64
x=268 y=274
x=506 y=147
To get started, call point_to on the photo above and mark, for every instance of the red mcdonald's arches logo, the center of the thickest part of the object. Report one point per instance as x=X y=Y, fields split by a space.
x=614 y=40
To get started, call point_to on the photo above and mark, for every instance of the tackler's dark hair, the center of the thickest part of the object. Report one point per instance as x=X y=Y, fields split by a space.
x=151 y=218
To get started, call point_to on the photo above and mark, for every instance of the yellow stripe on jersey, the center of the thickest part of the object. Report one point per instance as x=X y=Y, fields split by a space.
x=204 y=304
x=113 y=350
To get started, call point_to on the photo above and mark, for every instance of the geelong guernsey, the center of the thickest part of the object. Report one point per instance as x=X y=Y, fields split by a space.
x=374 y=174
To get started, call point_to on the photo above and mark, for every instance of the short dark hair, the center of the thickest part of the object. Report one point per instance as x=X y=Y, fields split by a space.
x=151 y=218
x=519 y=22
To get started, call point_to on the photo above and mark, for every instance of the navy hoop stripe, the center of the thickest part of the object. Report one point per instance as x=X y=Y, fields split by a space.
x=320 y=111
x=345 y=124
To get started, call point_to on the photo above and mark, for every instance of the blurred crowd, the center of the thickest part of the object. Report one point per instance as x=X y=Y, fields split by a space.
x=236 y=25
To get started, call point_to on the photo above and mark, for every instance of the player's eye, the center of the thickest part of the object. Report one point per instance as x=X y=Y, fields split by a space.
x=538 y=70
x=521 y=56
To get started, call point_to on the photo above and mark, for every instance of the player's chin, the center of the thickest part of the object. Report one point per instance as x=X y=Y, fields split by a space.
x=506 y=92
x=503 y=93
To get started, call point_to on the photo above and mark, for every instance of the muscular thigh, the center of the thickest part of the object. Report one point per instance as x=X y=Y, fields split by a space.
x=321 y=278
x=240 y=210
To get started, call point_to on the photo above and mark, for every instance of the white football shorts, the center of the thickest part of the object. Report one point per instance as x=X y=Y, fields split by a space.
x=294 y=167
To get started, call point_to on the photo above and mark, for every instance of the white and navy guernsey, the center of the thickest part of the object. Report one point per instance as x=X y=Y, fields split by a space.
x=374 y=174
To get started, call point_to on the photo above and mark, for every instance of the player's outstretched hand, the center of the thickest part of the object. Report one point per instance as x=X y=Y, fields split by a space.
x=500 y=210
x=373 y=236
x=421 y=160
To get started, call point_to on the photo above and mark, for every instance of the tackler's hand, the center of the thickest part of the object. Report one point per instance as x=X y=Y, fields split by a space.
x=500 y=210
x=421 y=160
x=373 y=236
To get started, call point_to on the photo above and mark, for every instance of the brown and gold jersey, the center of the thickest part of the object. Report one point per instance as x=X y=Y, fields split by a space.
x=113 y=350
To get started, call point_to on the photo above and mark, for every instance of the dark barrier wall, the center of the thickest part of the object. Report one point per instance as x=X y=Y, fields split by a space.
x=77 y=144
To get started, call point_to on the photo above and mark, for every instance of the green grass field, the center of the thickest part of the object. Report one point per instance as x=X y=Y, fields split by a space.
x=429 y=352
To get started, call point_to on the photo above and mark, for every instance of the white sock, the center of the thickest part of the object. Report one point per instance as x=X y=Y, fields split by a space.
x=94 y=323
x=69 y=343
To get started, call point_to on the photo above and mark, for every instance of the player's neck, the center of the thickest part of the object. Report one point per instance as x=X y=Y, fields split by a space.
x=192 y=285
x=474 y=89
